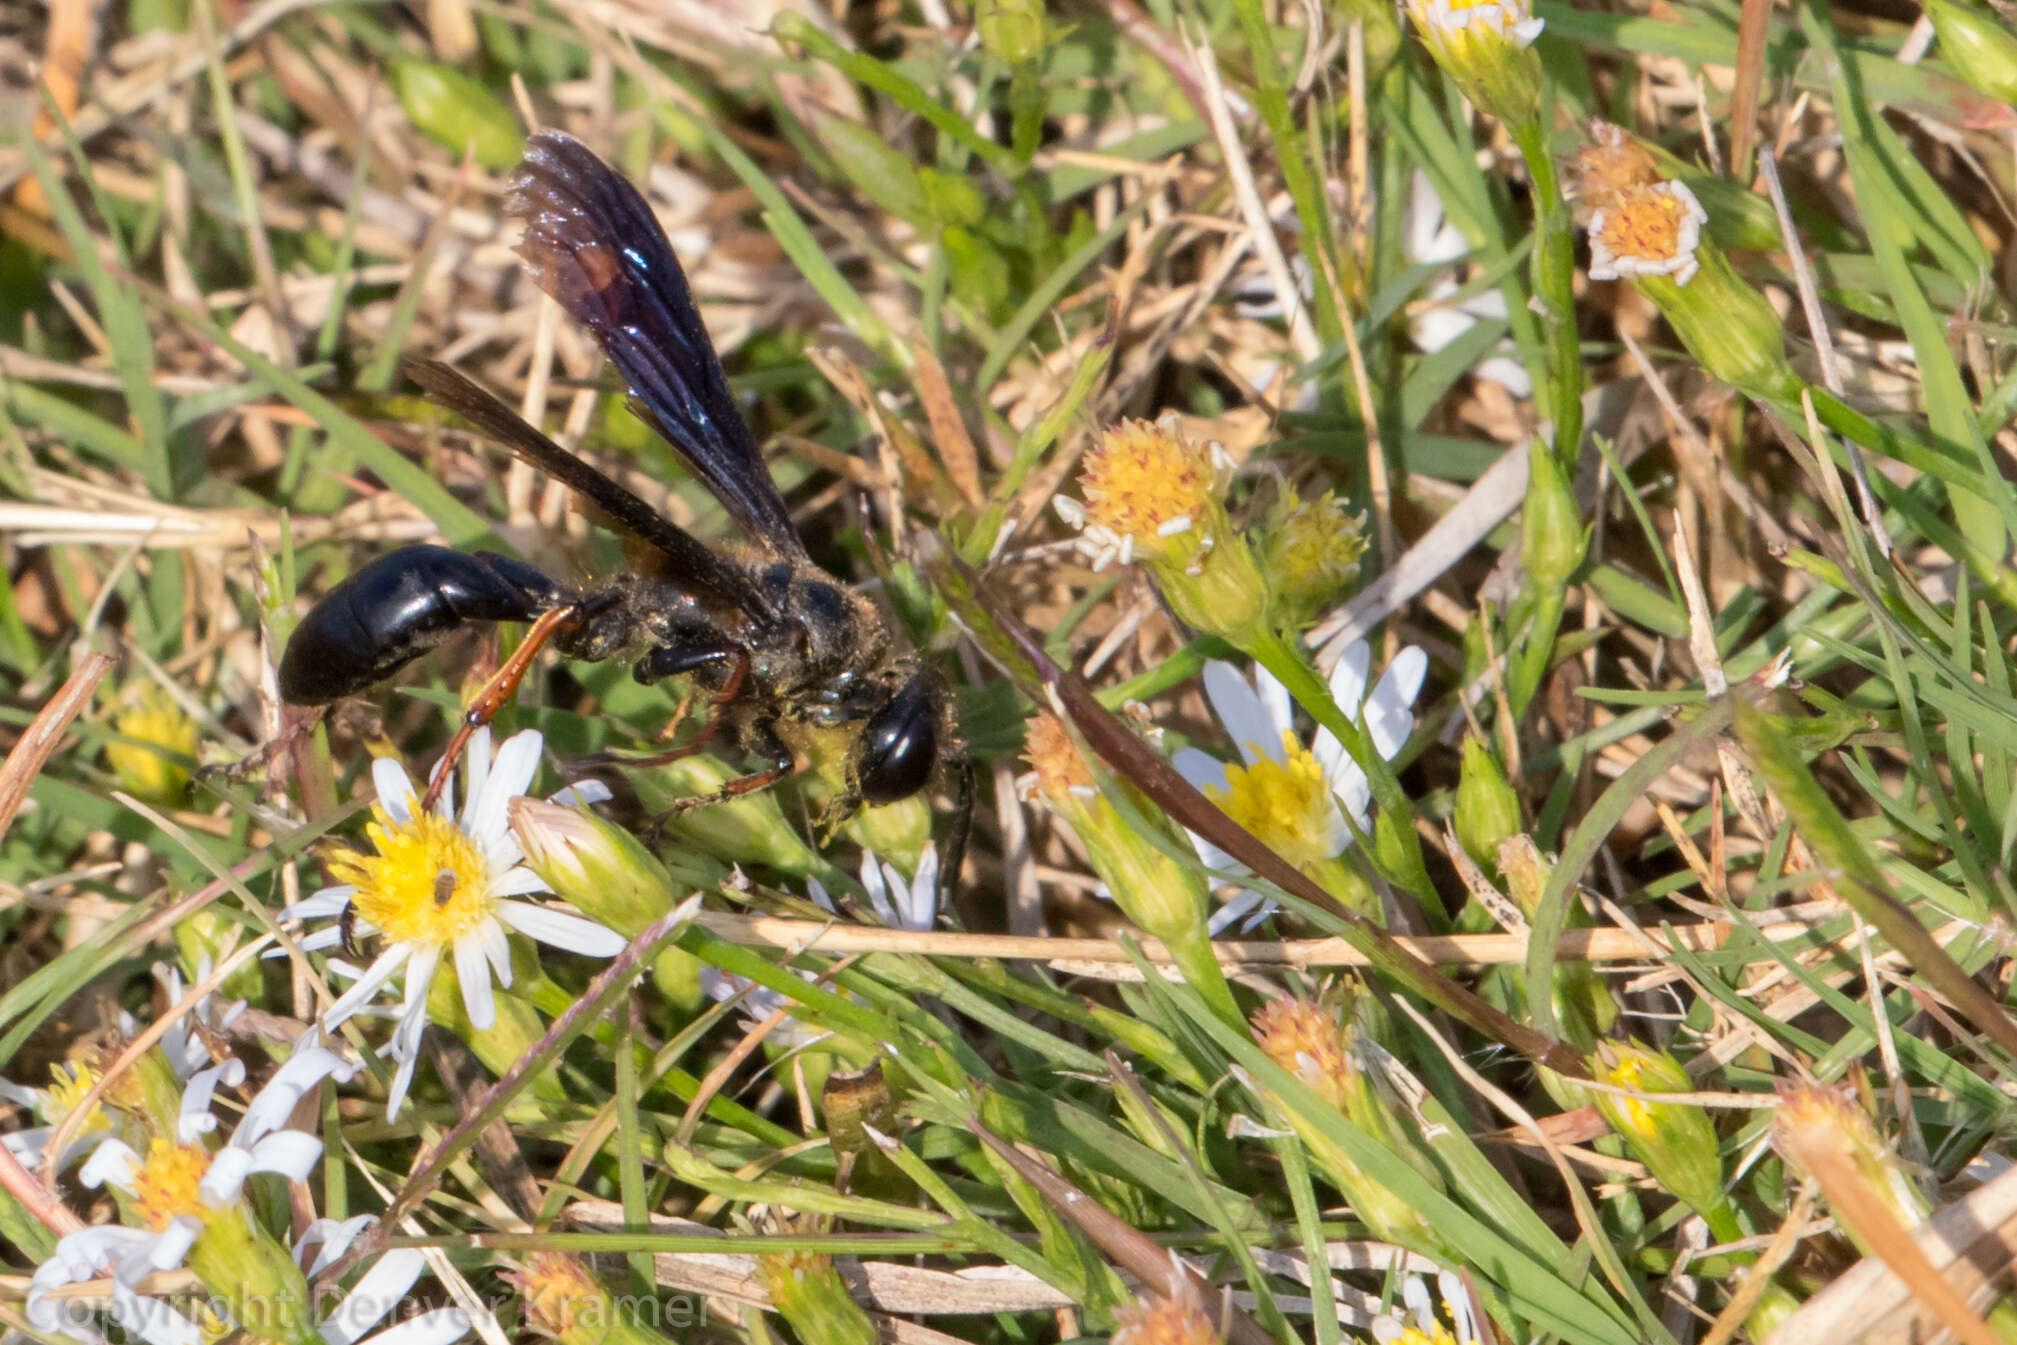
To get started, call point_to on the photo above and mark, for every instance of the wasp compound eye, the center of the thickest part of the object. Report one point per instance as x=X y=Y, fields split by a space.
x=899 y=745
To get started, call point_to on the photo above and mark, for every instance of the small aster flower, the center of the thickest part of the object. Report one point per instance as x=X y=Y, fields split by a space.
x=1652 y=236
x=439 y=885
x=1422 y=1324
x=1293 y=798
x=1675 y=1140
x=1648 y=231
x=1485 y=46
x=1155 y=496
x=1430 y=238
x=909 y=905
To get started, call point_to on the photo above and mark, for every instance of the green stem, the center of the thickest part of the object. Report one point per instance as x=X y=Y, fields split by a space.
x=1267 y=648
x=1192 y=952
x=1554 y=263
x=1530 y=665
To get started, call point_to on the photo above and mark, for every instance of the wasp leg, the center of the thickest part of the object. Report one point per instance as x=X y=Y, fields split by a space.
x=670 y=661
x=760 y=740
x=498 y=691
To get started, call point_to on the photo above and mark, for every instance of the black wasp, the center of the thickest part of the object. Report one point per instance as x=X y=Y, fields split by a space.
x=800 y=665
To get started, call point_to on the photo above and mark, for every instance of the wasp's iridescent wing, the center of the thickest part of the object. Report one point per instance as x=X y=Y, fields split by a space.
x=593 y=244
x=689 y=560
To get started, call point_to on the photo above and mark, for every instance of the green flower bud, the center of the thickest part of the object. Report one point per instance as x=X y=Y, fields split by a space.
x=1828 y=1137
x=751 y=829
x=1675 y=1140
x=603 y=869
x=1310 y=552
x=1552 y=537
x=1311 y=1041
x=458 y=112
x=1013 y=31
x=1979 y=45
x=1488 y=807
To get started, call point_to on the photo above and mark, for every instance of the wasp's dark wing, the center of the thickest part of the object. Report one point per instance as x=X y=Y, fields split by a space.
x=593 y=244
x=690 y=561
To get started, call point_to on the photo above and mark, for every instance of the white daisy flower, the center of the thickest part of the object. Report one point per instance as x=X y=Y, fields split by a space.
x=1430 y=238
x=900 y=905
x=387 y=1284
x=178 y=1187
x=1293 y=798
x=440 y=886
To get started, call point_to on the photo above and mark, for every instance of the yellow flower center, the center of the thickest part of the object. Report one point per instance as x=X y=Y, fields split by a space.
x=1286 y=804
x=1145 y=482
x=163 y=733
x=164 y=1185
x=67 y=1086
x=1646 y=225
x=427 y=884
x=1636 y=1113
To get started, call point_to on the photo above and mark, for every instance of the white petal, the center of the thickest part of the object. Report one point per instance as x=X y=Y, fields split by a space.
x=172 y=1243
x=402 y=1081
x=335 y=1237
x=923 y=913
x=1353 y=793
x=878 y=891
x=1244 y=904
x=473 y=972
x=152 y=1320
x=510 y=776
x=496 y=947
x=1212 y=857
x=438 y=1327
x=1348 y=678
x=557 y=929
x=114 y=1161
x=226 y=1176
x=368 y=985
x=195 y=1118
x=291 y=1153
x=396 y=793
x=821 y=898
x=1246 y=720
x=1389 y=718
x=581 y=793
x=517 y=882
x=1424 y=219
x=377 y=1292
x=476 y=762
x=1201 y=770
x=420 y=970
x=1275 y=699
x=324 y=905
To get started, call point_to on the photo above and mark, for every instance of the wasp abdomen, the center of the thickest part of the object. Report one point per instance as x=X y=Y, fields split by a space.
x=398 y=607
